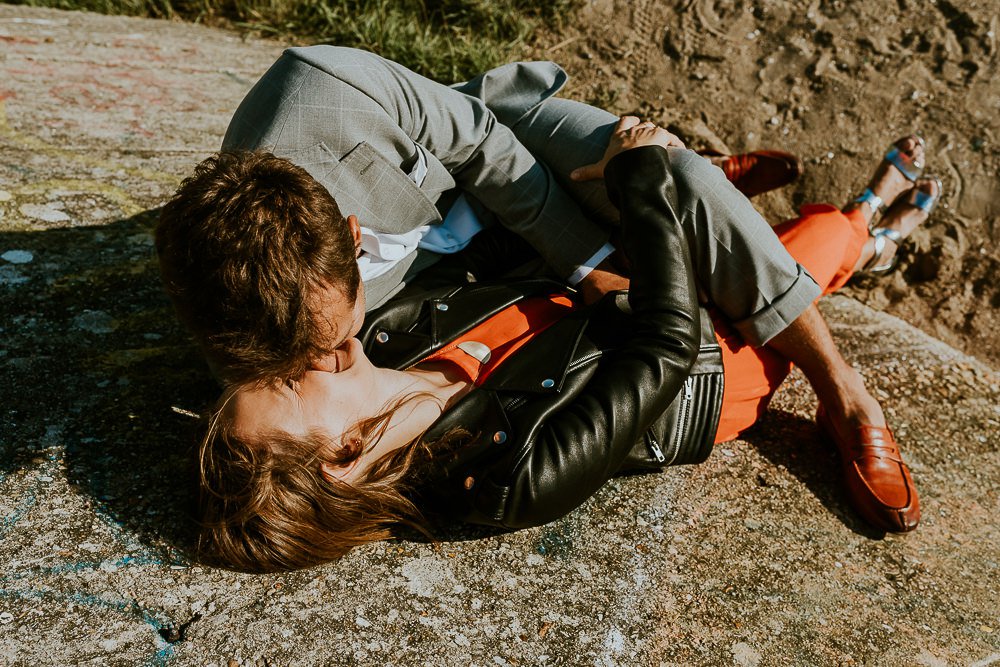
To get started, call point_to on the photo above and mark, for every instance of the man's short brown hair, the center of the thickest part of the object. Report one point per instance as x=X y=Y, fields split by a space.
x=242 y=245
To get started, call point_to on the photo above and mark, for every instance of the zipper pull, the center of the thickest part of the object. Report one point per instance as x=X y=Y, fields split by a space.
x=688 y=393
x=655 y=448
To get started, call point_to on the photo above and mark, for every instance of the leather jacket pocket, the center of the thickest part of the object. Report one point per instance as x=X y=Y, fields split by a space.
x=685 y=432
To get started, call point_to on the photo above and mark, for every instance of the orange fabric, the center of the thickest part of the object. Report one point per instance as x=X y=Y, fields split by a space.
x=504 y=334
x=827 y=243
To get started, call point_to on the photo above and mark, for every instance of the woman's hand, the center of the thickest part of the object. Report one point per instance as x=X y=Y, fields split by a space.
x=630 y=132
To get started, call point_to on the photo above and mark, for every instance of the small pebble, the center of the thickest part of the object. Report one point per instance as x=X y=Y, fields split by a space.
x=5 y=196
x=95 y=321
x=17 y=256
x=44 y=213
x=6 y=618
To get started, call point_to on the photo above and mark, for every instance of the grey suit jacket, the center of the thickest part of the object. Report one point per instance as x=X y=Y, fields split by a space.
x=356 y=121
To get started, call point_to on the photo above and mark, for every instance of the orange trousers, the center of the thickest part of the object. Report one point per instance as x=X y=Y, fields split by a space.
x=827 y=243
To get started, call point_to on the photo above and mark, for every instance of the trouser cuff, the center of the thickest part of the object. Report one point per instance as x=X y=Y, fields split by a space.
x=774 y=318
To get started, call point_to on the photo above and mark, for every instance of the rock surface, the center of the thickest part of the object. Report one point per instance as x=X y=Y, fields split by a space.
x=753 y=558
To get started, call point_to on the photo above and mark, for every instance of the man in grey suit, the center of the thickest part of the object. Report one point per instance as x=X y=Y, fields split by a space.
x=391 y=146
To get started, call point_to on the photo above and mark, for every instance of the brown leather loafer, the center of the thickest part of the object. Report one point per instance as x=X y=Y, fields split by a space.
x=878 y=482
x=758 y=172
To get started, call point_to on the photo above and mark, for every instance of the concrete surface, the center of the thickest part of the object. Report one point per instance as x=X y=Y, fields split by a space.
x=751 y=559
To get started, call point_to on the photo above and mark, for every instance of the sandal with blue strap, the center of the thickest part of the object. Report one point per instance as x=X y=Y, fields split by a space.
x=917 y=198
x=909 y=166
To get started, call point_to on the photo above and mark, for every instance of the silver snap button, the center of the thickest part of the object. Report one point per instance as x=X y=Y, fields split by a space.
x=499 y=437
x=382 y=337
x=442 y=306
x=548 y=383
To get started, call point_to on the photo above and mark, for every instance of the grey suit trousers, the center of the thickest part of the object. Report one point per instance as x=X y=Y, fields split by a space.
x=743 y=269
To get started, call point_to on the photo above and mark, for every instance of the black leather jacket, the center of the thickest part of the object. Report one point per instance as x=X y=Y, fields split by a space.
x=602 y=391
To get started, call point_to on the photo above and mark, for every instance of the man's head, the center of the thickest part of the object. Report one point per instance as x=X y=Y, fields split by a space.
x=261 y=266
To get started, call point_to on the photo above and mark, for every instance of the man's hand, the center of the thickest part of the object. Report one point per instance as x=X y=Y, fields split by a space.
x=630 y=132
x=601 y=280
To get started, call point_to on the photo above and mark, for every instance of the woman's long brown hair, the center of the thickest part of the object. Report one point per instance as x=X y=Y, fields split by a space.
x=265 y=505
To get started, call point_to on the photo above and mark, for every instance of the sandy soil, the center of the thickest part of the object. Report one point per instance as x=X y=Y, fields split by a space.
x=834 y=82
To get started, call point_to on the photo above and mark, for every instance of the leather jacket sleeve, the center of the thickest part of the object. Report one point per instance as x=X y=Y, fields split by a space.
x=576 y=449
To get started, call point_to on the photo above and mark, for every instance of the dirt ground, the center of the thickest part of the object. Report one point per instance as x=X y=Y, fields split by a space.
x=834 y=82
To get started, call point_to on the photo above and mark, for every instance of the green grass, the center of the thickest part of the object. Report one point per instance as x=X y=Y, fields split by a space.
x=447 y=40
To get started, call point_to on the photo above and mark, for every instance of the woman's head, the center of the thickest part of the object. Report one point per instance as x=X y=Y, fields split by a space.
x=266 y=505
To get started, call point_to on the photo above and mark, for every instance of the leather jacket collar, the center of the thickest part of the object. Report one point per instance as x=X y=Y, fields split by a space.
x=407 y=329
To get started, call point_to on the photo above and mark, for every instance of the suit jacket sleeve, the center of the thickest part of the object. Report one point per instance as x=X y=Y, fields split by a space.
x=361 y=96
x=578 y=448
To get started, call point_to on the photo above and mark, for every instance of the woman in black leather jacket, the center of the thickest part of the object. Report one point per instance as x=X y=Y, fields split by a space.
x=600 y=391
x=296 y=475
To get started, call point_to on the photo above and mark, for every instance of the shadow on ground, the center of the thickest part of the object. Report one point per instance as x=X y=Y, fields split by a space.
x=794 y=444
x=97 y=354
x=100 y=364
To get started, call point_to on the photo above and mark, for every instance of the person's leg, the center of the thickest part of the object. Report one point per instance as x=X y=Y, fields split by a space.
x=742 y=267
x=807 y=342
x=565 y=135
x=826 y=242
x=745 y=270
x=886 y=186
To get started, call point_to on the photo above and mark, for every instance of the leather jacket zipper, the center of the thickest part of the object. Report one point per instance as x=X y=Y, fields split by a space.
x=683 y=413
x=654 y=447
x=515 y=403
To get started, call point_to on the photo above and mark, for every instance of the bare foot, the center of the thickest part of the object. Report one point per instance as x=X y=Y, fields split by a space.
x=902 y=218
x=888 y=182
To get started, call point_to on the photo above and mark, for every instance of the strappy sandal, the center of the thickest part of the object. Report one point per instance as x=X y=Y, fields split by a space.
x=910 y=168
x=916 y=198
